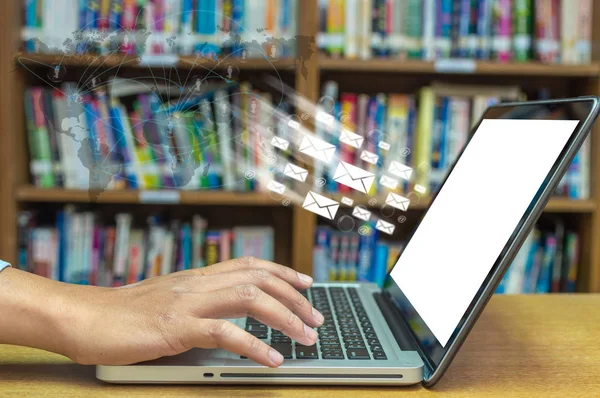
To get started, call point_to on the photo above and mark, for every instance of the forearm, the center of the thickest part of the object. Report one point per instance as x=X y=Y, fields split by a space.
x=32 y=311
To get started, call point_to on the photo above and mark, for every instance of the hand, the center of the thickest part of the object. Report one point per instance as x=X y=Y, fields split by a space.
x=171 y=314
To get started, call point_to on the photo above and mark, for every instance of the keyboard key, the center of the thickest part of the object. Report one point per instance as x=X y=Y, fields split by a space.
x=358 y=353
x=306 y=352
x=333 y=355
x=379 y=355
x=375 y=348
x=261 y=334
x=252 y=321
x=284 y=349
x=256 y=327
x=373 y=341
x=370 y=335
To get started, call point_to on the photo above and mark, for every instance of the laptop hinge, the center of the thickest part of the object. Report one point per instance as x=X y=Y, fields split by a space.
x=392 y=317
x=399 y=329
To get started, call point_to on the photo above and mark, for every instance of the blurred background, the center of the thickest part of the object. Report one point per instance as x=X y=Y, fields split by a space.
x=137 y=136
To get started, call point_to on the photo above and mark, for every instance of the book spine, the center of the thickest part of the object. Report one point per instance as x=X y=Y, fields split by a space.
x=522 y=21
x=365 y=256
x=212 y=247
x=121 y=248
x=334 y=253
x=583 y=47
x=413 y=29
x=429 y=29
x=225 y=247
x=573 y=257
x=378 y=25
x=42 y=151
x=198 y=241
x=351 y=29
x=343 y=257
x=545 y=279
x=484 y=29
x=464 y=23
x=380 y=263
x=502 y=30
x=321 y=256
x=568 y=32
x=443 y=42
x=423 y=135
x=335 y=27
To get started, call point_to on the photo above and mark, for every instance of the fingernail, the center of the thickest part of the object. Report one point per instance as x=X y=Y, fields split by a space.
x=318 y=316
x=305 y=278
x=310 y=333
x=275 y=357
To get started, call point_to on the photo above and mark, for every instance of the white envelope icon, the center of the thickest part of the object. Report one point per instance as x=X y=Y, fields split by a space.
x=354 y=177
x=348 y=137
x=420 y=188
x=385 y=226
x=400 y=170
x=317 y=149
x=389 y=182
x=325 y=118
x=276 y=187
x=384 y=145
x=347 y=201
x=295 y=172
x=320 y=205
x=280 y=143
x=362 y=213
x=397 y=201
x=369 y=157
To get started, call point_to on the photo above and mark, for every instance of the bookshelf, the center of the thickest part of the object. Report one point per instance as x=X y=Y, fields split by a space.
x=296 y=224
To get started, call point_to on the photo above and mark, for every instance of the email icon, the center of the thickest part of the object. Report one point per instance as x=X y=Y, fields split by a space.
x=317 y=149
x=349 y=138
x=320 y=205
x=400 y=170
x=385 y=227
x=362 y=213
x=389 y=182
x=295 y=172
x=276 y=187
x=384 y=145
x=354 y=177
x=347 y=201
x=325 y=118
x=397 y=201
x=280 y=143
x=369 y=157
x=420 y=188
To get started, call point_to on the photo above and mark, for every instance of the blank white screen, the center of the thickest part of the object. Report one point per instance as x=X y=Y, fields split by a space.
x=449 y=256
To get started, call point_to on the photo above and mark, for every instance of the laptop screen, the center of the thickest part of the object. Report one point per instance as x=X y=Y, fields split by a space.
x=472 y=218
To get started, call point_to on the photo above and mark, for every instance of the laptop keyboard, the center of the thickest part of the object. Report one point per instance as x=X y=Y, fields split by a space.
x=347 y=332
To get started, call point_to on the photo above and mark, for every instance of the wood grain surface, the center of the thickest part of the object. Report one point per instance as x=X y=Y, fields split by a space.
x=547 y=346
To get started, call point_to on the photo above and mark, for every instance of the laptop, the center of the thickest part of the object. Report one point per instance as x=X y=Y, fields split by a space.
x=409 y=330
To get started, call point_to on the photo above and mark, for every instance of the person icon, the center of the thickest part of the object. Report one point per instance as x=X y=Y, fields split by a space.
x=94 y=83
x=198 y=84
x=56 y=72
x=244 y=54
x=253 y=106
x=273 y=51
x=229 y=71
x=126 y=41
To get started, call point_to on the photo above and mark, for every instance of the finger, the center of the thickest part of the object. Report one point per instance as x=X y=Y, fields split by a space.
x=296 y=279
x=271 y=285
x=223 y=334
x=249 y=300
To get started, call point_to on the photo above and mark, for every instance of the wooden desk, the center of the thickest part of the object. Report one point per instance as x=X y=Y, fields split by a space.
x=522 y=346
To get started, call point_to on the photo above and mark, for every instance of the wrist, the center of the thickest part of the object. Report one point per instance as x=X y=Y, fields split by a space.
x=33 y=311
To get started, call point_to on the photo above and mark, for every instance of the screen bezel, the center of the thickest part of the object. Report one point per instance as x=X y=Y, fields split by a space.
x=434 y=369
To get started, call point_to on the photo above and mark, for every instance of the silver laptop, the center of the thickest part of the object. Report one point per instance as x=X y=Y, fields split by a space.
x=408 y=331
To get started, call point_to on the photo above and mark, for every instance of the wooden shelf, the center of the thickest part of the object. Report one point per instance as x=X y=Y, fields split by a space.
x=129 y=61
x=221 y=198
x=480 y=67
x=556 y=205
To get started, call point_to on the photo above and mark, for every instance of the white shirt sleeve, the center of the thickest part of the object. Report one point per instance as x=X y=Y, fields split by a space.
x=3 y=264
